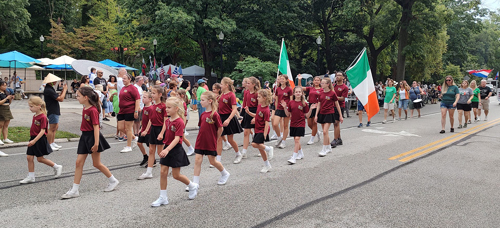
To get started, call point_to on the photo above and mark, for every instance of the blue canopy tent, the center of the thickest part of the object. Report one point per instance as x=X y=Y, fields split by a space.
x=116 y=65
x=18 y=57
x=60 y=67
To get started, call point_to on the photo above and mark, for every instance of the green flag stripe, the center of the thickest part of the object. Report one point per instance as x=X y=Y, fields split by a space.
x=358 y=72
x=283 y=59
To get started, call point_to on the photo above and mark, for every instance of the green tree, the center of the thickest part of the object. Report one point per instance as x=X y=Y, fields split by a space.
x=252 y=66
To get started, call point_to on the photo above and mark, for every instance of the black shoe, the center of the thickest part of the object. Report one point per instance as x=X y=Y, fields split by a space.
x=333 y=144
x=339 y=142
x=105 y=119
x=442 y=132
x=144 y=161
x=452 y=129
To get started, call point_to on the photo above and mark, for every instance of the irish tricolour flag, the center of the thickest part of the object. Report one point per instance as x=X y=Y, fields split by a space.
x=361 y=80
x=284 y=64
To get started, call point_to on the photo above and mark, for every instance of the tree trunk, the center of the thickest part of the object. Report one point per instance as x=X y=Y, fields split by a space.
x=406 y=17
x=207 y=58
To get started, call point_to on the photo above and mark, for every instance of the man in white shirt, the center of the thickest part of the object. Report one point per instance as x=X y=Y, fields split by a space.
x=92 y=75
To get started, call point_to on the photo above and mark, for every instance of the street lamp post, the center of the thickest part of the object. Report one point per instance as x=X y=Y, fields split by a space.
x=154 y=53
x=318 y=42
x=221 y=39
x=41 y=45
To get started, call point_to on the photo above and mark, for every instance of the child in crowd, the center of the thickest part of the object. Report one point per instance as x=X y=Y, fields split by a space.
x=297 y=109
x=38 y=145
x=173 y=155
x=327 y=103
x=181 y=94
x=261 y=121
x=143 y=134
x=283 y=93
x=91 y=142
x=216 y=88
x=227 y=111
x=250 y=101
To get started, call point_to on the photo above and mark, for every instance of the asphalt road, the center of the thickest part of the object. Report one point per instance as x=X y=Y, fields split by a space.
x=364 y=183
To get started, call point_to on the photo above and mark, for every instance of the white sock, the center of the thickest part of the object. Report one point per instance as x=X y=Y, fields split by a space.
x=75 y=187
x=163 y=194
x=312 y=137
x=279 y=138
x=295 y=155
x=55 y=165
x=196 y=179
x=191 y=184
x=149 y=170
x=218 y=158
x=238 y=153
x=191 y=147
x=267 y=163
x=112 y=179
x=225 y=143
x=31 y=174
x=267 y=149
x=224 y=172
x=243 y=151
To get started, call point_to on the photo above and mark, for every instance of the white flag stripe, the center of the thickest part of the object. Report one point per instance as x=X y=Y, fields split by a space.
x=365 y=88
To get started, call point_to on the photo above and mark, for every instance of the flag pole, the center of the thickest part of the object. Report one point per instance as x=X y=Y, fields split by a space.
x=279 y=61
x=355 y=59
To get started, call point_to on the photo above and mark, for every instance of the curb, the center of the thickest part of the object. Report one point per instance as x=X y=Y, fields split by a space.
x=25 y=144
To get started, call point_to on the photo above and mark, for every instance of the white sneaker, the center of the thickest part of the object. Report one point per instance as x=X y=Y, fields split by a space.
x=160 y=201
x=211 y=166
x=486 y=118
x=57 y=171
x=8 y=141
x=318 y=136
x=193 y=191
x=223 y=179
x=1 y=143
x=311 y=141
x=190 y=151
x=112 y=186
x=273 y=137
x=270 y=153
x=2 y=154
x=51 y=146
x=136 y=138
x=266 y=169
x=134 y=144
x=244 y=155
x=126 y=149
x=300 y=156
x=70 y=194
x=27 y=180
x=237 y=160
x=282 y=145
x=145 y=176
x=328 y=149
x=322 y=153
x=226 y=147
x=258 y=154
x=55 y=145
x=186 y=133
x=479 y=119
x=278 y=141
x=292 y=160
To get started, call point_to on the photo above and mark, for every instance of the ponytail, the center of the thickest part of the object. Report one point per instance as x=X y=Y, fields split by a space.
x=93 y=97
x=229 y=83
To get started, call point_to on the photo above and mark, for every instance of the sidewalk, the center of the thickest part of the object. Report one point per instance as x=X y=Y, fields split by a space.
x=71 y=118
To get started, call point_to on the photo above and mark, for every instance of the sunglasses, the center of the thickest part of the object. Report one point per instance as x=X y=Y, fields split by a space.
x=448 y=80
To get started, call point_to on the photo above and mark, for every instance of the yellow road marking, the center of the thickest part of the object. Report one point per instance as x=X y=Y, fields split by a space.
x=457 y=136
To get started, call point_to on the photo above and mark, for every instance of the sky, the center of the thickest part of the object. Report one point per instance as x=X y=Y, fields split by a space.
x=493 y=5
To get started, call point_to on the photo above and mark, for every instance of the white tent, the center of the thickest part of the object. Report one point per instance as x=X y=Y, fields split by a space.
x=63 y=60
x=195 y=71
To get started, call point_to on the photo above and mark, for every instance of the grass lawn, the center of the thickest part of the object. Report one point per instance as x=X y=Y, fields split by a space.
x=22 y=134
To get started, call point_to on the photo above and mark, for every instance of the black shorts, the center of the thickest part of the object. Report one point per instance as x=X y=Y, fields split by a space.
x=247 y=119
x=176 y=157
x=87 y=142
x=297 y=131
x=41 y=147
x=144 y=139
x=153 y=135
x=234 y=126
x=206 y=152
x=464 y=107
x=326 y=118
x=475 y=104
x=259 y=138
x=272 y=106
x=336 y=115
x=313 y=112
x=126 y=117
x=280 y=113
